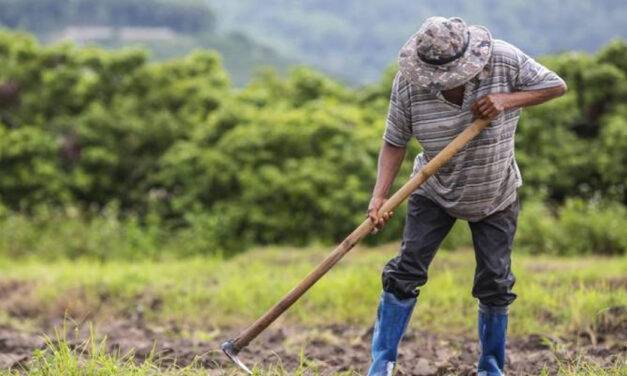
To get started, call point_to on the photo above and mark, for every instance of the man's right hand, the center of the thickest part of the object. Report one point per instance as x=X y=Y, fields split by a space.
x=373 y=213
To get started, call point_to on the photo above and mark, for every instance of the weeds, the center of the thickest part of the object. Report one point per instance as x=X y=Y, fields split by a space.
x=90 y=358
x=556 y=295
x=579 y=228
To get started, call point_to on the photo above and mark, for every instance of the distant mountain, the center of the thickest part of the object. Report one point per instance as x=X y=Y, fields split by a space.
x=357 y=39
x=185 y=16
x=167 y=28
x=353 y=40
x=241 y=55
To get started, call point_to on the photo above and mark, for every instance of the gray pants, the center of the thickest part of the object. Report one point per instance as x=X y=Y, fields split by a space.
x=426 y=226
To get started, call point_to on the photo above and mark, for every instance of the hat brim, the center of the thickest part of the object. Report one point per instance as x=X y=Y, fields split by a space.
x=449 y=75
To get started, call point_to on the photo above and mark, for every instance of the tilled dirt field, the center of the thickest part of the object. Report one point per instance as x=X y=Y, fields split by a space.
x=329 y=349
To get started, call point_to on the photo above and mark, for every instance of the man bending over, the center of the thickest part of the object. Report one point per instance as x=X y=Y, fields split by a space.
x=451 y=73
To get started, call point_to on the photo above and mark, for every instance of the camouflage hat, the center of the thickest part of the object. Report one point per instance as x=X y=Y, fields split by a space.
x=445 y=53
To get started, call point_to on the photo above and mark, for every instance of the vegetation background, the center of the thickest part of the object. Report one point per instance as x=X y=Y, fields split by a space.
x=170 y=153
x=352 y=40
x=152 y=130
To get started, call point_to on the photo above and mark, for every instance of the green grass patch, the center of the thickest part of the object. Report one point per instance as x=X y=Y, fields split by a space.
x=90 y=358
x=556 y=295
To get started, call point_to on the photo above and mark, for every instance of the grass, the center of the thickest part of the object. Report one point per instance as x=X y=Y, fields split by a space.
x=557 y=296
x=91 y=359
x=587 y=369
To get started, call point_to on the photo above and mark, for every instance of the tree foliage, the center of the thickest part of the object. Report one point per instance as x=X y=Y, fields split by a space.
x=284 y=160
x=47 y=15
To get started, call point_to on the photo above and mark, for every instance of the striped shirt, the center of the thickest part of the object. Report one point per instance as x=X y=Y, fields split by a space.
x=483 y=177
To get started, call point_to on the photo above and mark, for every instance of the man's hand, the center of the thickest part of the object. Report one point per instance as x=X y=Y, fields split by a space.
x=373 y=210
x=390 y=159
x=490 y=106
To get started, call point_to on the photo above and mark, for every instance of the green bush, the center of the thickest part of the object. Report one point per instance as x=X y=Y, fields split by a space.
x=152 y=151
x=593 y=228
x=579 y=227
x=51 y=234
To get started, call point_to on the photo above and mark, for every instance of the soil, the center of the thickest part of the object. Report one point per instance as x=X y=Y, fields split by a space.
x=331 y=348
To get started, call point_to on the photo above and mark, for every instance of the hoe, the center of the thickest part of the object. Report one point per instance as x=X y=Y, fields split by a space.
x=233 y=346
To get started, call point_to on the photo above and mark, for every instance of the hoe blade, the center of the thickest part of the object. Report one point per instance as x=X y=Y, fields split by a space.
x=231 y=352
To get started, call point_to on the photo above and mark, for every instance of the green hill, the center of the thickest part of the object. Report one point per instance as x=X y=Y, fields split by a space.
x=357 y=39
x=351 y=40
x=167 y=28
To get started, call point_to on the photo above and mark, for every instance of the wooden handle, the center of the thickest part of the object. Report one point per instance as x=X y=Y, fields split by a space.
x=359 y=233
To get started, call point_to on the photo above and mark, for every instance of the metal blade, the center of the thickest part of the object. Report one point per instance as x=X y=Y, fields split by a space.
x=231 y=351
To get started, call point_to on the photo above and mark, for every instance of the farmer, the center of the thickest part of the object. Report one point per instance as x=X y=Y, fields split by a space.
x=451 y=73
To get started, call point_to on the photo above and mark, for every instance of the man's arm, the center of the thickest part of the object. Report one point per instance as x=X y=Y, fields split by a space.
x=532 y=84
x=491 y=105
x=390 y=160
x=397 y=134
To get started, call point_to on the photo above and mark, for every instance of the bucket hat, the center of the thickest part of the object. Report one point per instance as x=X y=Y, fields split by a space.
x=445 y=53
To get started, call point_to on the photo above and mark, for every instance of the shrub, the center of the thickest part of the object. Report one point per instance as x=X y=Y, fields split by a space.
x=51 y=233
x=285 y=160
x=579 y=227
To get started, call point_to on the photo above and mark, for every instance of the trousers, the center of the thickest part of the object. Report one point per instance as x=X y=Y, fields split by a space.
x=426 y=226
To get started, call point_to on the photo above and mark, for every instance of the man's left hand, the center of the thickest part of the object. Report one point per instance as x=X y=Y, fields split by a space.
x=490 y=106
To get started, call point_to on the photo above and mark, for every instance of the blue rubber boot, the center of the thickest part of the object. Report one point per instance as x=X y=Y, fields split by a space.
x=392 y=318
x=492 y=334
